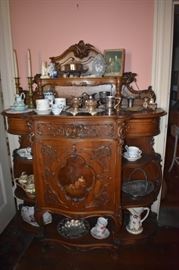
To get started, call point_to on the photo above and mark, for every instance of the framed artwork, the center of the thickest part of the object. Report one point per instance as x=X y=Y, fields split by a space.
x=114 y=62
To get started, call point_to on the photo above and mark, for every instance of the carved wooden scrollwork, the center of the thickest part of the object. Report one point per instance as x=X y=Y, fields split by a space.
x=76 y=130
x=78 y=175
x=128 y=91
x=80 y=50
x=121 y=132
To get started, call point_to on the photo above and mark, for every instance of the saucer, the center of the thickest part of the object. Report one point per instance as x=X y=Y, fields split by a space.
x=99 y=236
x=126 y=156
x=133 y=231
x=43 y=112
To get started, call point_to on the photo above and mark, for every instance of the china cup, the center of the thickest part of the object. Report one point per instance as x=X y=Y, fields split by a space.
x=42 y=104
x=101 y=225
x=57 y=109
x=60 y=101
x=133 y=151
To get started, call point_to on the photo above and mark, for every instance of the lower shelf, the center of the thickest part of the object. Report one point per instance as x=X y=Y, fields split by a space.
x=86 y=241
x=50 y=234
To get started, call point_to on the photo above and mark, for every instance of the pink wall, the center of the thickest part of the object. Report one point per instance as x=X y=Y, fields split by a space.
x=48 y=27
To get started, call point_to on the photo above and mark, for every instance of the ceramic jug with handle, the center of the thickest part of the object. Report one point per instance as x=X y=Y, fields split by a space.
x=135 y=221
x=19 y=102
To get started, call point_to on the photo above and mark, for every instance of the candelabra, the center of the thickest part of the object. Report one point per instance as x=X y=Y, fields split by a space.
x=30 y=99
x=17 y=83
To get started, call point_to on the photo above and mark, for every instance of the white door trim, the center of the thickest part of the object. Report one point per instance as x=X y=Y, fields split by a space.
x=161 y=69
x=8 y=209
x=6 y=63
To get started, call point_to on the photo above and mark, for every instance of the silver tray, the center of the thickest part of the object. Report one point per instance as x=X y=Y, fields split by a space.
x=84 y=110
x=73 y=228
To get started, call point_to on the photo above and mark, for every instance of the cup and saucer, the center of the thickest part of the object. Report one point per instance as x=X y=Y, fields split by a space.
x=42 y=107
x=99 y=231
x=133 y=153
x=96 y=234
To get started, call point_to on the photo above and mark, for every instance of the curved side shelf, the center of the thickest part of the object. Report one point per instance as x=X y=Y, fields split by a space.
x=149 y=168
x=128 y=202
x=138 y=163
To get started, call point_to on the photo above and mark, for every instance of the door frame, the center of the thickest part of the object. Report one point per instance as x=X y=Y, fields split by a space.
x=161 y=69
x=8 y=208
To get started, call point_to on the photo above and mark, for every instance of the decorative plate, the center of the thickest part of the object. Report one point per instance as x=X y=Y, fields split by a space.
x=98 y=65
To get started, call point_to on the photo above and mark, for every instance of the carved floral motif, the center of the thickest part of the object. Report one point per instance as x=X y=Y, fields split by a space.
x=76 y=130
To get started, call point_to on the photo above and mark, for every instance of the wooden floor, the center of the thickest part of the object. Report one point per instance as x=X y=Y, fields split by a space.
x=161 y=251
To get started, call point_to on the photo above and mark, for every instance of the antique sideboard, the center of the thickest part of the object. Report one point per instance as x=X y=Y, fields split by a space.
x=67 y=148
x=78 y=162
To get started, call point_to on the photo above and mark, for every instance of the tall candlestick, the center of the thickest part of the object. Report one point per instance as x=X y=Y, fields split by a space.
x=16 y=70
x=29 y=63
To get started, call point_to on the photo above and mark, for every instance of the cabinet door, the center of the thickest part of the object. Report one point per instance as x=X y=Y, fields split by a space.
x=77 y=166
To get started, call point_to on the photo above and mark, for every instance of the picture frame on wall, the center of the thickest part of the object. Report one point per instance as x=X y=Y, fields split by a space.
x=114 y=62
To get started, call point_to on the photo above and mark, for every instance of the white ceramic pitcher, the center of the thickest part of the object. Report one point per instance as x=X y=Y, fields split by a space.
x=135 y=221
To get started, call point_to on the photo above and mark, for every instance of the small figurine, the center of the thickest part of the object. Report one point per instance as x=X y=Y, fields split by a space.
x=44 y=71
x=152 y=105
x=52 y=71
x=145 y=103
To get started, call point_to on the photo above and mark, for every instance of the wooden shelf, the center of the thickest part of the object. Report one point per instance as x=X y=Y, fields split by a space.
x=138 y=163
x=80 y=81
x=51 y=234
x=128 y=202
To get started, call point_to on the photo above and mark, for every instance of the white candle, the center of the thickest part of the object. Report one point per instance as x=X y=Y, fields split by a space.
x=29 y=64
x=16 y=70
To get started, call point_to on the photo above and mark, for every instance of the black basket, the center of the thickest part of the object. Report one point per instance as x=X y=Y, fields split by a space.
x=137 y=188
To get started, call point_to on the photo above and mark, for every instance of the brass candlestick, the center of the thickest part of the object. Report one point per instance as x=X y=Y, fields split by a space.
x=30 y=100
x=17 y=83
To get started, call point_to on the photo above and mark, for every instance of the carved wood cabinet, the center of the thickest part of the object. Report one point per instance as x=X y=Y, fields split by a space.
x=79 y=169
x=78 y=162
